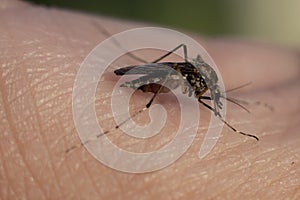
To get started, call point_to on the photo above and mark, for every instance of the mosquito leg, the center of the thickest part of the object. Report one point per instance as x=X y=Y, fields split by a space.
x=172 y=51
x=227 y=124
x=106 y=33
x=105 y=132
x=205 y=98
x=115 y=41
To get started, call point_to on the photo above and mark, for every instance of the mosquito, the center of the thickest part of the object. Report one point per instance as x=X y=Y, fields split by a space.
x=195 y=77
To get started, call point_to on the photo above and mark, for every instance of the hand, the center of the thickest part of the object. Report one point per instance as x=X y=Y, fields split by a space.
x=41 y=51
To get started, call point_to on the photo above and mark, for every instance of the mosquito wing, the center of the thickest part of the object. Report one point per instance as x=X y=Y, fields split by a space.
x=149 y=68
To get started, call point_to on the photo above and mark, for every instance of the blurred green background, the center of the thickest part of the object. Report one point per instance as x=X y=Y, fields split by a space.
x=273 y=21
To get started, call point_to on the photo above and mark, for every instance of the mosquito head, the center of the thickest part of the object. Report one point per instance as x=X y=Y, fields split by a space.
x=207 y=72
x=211 y=79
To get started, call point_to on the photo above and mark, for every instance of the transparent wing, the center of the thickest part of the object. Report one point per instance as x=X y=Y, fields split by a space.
x=150 y=68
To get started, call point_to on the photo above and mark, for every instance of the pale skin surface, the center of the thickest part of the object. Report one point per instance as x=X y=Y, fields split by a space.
x=41 y=51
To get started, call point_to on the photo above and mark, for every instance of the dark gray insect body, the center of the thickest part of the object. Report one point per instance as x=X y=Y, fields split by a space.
x=194 y=77
x=193 y=80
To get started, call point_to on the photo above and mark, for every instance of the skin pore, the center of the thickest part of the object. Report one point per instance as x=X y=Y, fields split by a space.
x=41 y=52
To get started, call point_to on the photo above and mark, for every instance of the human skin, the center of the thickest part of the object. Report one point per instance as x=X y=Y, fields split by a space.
x=41 y=52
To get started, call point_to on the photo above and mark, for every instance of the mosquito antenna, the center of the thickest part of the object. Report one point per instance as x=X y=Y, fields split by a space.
x=235 y=101
x=115 y=41
x=232 y=100
x=239 y=87
x=231 y=127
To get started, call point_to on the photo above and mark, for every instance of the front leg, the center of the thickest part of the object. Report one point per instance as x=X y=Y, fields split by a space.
x=225 y=122
x=208 y=106
x=220 y=105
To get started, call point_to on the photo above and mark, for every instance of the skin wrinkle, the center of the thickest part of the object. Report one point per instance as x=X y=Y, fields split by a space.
x=77 y=194
x=61 y=110
x=74 y=188
x=39 y=122
x=93 y=182
x=47 y=120
x=73 y=176
x=36 y=111
x=85 y=185
x=66 y=161
x=35 y=85
x=278 y=179
x=5 y=178
x=269 y=183
x=237 y=187
x=20 y=143
x=245 y=180
x=13 y=130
